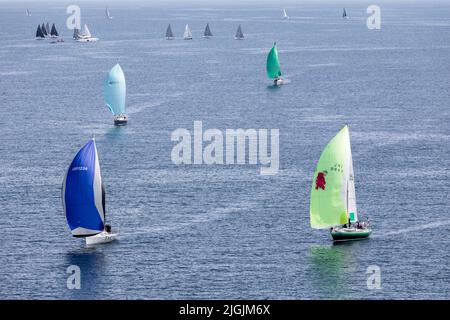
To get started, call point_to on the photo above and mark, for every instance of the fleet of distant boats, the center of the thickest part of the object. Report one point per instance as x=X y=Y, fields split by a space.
x=85 y=35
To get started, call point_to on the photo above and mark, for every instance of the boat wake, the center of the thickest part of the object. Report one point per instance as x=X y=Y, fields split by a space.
x=432 y=225
x=209 y=216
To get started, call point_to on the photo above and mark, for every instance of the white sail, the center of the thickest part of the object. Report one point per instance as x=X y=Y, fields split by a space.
x=108 y=15
x=86 y=33
x=187 y=33
x=285 y=16
x=351 y=194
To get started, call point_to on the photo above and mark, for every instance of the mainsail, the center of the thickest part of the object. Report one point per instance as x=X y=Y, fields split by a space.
x=47 y=28
x=53 y=32
x=28 y=13
x=108 y=15
x=44 y=31
x=187 y=33
x=344 y=14
x=239 y=33
x=86 y=33
x=285 y=16
x=273 y=64
x=83 y=195
x=169 y=33
x=207 y=32
x=39 y=33
x=76 y=33
x=115 y=90
x=333 y=199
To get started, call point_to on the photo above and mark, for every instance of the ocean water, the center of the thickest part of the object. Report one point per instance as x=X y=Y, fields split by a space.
x=225 y=231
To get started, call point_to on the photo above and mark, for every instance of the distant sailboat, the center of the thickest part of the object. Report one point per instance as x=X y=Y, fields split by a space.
x=169 y=33
x=273 y=66
x=76 y=33
x=53 y=32
x=187 y=33
x=86 y=36
x=83 y=197
x=239 y=34
x=333 y=197
x=115 y=93
x=107 y=14
x=285 y=16
x=344 y=14
x=28 y=13
x=207 y=34
x=39 y=34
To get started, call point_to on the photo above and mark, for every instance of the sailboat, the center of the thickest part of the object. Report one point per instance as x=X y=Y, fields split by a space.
x=273 y=66
x=333 y=197
x=344 y=14
x=54 y=32
x=86 y=36
x=239 y=35
x=28 y=13
x=207 y=34
x=107 y=14
x=285 y=16
x=76 y=33
x=187 y=33
x=115 y=92
x=39 y=34
x=169 y=33
x=83 y=197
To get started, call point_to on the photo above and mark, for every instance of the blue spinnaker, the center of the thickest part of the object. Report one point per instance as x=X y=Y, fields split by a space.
x=83 y=194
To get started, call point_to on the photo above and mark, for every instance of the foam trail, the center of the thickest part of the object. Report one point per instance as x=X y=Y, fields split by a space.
x=209 y=216
x=432 y=225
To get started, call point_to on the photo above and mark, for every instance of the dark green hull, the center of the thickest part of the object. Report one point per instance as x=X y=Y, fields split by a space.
x=340 y=235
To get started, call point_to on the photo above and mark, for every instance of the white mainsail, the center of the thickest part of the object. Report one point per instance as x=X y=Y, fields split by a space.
x=86 y=33
x=285 y=16
x=187 y=33
x=351 y=194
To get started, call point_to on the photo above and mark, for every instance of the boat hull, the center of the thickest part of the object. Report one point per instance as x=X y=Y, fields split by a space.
x=102 y=237
x=345 y=234
x=121 y=120
x=278 y=82
x=87 y=40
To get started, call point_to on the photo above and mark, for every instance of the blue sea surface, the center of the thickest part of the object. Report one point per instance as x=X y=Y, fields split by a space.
x=226 y=231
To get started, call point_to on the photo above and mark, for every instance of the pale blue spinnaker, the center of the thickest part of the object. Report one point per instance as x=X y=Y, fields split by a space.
x=115 y=90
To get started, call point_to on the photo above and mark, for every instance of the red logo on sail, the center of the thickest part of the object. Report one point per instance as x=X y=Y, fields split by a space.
x=320 y=180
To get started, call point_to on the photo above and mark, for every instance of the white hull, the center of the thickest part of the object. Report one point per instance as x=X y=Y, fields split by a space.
x=87 y=40
x=121 y=120
x=102 y=237
x=278 y=82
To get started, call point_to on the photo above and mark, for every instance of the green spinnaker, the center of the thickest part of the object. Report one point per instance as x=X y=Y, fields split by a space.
x=273 y=64
x=329 y=191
